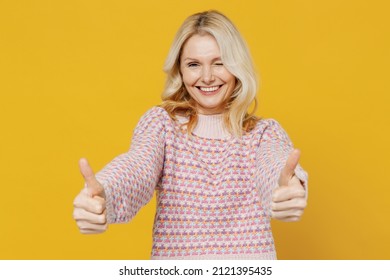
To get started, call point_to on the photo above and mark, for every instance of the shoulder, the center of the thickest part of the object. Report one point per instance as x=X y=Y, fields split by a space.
x=156 y=112
x=156 y=118
x=267 y=129
x=264 y=125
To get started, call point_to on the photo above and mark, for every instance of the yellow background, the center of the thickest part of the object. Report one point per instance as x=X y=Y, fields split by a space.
x=75 y=77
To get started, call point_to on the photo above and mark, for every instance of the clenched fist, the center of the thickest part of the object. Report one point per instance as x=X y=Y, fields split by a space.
x=90 y=204
x=289 y=198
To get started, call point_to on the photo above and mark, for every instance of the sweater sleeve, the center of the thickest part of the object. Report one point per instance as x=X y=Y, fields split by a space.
x=274 y=148
x=129 y=180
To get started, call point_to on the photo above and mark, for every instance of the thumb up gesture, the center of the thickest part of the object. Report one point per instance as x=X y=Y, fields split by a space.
x=289 y=198
x=90 y=204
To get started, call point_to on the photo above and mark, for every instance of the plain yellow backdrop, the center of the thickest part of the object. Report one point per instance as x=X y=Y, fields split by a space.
x=75 y=77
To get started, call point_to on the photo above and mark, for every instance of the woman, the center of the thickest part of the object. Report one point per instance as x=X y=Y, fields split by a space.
x=219 y=172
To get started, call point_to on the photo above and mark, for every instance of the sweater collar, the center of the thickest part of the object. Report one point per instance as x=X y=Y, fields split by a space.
x=209 y=126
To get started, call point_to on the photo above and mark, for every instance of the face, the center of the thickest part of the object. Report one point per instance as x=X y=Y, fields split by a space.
x=205 y=77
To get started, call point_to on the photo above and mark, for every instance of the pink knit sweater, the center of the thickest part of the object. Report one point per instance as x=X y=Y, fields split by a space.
x=213 y=190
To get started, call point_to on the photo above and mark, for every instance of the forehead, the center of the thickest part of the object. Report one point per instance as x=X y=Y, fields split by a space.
x=201 y=46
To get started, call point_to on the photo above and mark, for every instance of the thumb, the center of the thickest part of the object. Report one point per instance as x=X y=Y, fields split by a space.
x=93 y=186
x=288 y=170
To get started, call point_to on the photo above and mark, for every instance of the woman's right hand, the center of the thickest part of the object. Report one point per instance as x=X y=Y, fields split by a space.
x=90 y=204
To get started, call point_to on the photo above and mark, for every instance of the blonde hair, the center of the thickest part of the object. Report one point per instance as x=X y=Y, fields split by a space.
x=235 y=57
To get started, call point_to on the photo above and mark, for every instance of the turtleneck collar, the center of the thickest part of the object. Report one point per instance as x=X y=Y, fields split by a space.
x=209 y=126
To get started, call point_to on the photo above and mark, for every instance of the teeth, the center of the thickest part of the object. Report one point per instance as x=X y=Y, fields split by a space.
x=209 y=88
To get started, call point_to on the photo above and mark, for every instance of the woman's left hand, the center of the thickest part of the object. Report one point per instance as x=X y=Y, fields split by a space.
x=289 y=198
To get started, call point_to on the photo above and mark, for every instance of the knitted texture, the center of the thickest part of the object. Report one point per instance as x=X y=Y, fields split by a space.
x=213 y=195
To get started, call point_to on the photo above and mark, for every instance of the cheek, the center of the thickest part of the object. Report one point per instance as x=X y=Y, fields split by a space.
x=232 y=80
x=233 y=83
x=226 y=76
x=189 y=78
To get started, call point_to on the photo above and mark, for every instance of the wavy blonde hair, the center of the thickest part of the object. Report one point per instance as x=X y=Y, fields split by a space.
x=235 y=57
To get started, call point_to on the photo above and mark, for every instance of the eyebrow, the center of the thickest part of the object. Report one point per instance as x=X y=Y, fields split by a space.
x=214 y=59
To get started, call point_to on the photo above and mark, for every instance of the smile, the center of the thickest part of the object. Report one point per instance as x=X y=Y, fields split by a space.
x=209 y=90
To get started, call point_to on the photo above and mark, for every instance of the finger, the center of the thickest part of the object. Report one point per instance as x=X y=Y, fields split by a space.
x=80 y=214
x=295 y=203
x=288 y=170
x=289 y=219
x=88 y=228
x=94 y=205
x=290 y=215
x=287 y=193
x=92 y=231
x=93 y=186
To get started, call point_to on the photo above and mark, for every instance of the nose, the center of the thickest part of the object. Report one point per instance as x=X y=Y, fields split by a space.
x=207 y=75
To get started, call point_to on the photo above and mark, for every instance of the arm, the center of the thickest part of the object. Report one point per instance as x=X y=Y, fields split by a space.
x=274 y=150
x=129 y=180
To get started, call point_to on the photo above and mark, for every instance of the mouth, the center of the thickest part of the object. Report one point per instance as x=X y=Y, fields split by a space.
x=209 y=90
